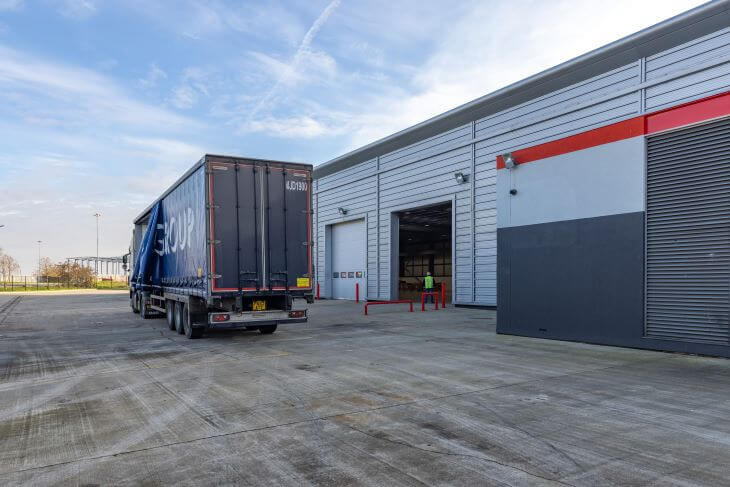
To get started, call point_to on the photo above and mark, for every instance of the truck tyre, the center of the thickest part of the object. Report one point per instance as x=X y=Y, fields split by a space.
x=190 y=332
x=144 y=308
x=134 y=301
x=170 y=313
x=267 y=329
x=179 y=317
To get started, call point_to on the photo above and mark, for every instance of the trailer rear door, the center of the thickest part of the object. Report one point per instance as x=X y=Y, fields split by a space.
x=260 y=226
x=288 y=226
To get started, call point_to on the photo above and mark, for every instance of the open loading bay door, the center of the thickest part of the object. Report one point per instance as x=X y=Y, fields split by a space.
x=424 y=245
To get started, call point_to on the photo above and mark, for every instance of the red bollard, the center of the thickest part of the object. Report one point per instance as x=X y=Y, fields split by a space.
x=317 y=290
x=434 y=296
x=357 y=292
x=443 y=295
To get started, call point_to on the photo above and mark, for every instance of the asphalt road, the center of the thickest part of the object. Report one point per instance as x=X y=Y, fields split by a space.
x=91 y=394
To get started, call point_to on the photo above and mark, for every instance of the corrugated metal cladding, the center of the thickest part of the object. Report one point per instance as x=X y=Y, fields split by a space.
x=688 y=234
x=423 y=173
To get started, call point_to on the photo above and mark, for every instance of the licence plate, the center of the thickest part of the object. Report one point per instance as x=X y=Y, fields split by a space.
x=259 y=305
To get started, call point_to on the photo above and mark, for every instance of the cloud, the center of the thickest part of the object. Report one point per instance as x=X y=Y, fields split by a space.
x=154 y=75
x=200 y=20
x=488 y=46
x=31 y=85
x=85 y=144
x=312 y=66
x=303 y=52
x=289 y=127
x=53 y=196
x=184 y=97
x=164 y=150
x=10 y=4
x=108 y=64
x=192 y=86
x=76 y=9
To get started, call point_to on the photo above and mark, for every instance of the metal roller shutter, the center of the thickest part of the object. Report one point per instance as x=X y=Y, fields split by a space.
x=688 y=234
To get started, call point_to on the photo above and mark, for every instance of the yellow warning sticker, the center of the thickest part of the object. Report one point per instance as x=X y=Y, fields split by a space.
x=302 y=282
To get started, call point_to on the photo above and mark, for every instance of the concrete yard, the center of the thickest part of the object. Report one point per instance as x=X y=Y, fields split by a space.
x=91 y=394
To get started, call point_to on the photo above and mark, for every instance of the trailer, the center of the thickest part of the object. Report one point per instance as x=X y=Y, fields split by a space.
x=228 y=246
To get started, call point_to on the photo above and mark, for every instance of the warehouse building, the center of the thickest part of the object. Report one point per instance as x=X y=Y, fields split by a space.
x=589 y=202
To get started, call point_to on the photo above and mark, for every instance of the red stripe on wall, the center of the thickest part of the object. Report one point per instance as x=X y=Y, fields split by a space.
x=689 y=113
x=603 y=135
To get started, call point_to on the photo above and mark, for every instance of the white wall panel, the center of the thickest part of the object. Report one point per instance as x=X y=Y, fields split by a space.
x=714 y=48
x=603 y=180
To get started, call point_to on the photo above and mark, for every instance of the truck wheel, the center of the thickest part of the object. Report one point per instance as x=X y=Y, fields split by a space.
x=267 y=329
x=134 y=301
x=190 y=332
x=170 y=314
x=144 y=308
x=179 y=317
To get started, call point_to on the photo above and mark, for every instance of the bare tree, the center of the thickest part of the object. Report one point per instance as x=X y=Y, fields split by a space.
x=8 y=266
x=47 y=268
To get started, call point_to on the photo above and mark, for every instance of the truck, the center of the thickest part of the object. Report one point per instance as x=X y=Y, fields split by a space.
x=227 y=246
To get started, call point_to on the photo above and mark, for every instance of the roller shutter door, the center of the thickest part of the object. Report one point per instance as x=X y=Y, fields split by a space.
x=688 y=234
x=348 y=259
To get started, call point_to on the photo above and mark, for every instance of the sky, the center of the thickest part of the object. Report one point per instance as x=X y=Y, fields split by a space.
x=105 y=103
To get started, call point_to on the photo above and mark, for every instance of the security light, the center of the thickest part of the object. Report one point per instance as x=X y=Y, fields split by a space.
x=341 y=211
x=509 y=160
x=461 y=178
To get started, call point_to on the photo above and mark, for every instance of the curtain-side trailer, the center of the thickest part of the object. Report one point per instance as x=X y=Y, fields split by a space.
x=229 y=245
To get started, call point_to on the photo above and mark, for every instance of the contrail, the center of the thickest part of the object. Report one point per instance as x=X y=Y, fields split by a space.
x=301 y=50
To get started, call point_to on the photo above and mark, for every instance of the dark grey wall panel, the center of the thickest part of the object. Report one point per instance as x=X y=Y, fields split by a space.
x=579 y=280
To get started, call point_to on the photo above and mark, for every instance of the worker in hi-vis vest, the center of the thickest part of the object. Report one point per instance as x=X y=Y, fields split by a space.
x=428 y=286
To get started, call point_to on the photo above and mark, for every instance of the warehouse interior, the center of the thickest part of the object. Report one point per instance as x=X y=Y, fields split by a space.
x=424 y=241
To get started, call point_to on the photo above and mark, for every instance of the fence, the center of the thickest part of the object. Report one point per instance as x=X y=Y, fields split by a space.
x=32 y=283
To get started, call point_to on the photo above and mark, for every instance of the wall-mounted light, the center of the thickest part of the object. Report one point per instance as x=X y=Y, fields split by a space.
x=341 y=211
x=461 y=178
x=509 y=160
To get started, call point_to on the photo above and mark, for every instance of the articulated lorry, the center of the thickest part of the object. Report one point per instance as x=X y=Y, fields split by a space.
x=229 y=245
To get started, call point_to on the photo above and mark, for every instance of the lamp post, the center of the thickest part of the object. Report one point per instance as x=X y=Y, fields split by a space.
x=96 y=266
x=39 y=263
